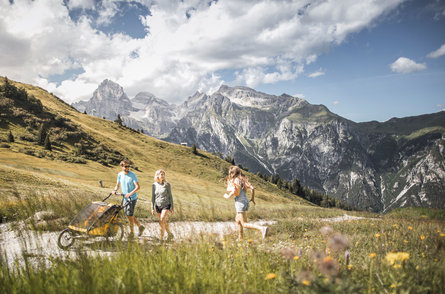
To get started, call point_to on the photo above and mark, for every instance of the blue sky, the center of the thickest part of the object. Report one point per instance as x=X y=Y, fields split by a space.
x=365 y=60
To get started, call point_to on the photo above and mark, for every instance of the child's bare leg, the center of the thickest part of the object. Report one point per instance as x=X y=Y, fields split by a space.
x=238 y=220
x=245 y=224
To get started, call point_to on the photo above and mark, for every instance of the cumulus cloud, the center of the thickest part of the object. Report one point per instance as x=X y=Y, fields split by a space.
x=405 y=65
x=187 y=46
x=437 y=53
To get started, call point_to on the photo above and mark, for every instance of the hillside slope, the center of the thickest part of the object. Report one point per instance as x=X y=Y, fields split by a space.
x=86 y=150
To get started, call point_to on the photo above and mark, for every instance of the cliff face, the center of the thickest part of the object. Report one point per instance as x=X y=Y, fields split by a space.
x=373 y=166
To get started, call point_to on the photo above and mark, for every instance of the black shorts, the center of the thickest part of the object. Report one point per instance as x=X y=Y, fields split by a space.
x=160 y=209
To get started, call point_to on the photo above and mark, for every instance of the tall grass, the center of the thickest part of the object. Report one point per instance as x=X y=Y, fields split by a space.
x=301 y=255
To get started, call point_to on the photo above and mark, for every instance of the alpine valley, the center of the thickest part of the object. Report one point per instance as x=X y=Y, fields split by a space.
x=376 y=166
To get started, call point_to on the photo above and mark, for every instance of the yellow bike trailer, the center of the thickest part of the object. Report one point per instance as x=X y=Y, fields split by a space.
x=96 y=219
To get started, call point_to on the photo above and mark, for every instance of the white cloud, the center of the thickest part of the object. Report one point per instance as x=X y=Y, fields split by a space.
x=336 y=102
x=84 y=4
x=438 y=53
x=262 y=41
x=405 y=65
x=316 y=74
x=300 y=96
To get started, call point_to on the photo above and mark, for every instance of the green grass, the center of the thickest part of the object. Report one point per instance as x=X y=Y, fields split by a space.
x=296 y=258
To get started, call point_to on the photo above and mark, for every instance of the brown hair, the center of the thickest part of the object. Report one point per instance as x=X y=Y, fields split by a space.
x=124 y=162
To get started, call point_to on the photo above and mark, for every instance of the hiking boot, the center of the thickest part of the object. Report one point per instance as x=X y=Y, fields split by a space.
x=264 y=231
x=141 y=230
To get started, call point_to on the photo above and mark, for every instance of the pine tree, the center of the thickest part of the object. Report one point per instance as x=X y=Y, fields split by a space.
x=41 y=135
x=47 y=143
x=118 y=120
x=194 y=151
x=296 y=188
x=10 y=137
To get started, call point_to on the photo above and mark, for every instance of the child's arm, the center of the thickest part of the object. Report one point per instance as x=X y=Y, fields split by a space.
x=250 y=186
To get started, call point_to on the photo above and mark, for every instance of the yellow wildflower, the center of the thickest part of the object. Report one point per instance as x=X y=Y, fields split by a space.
x=422 y=237
x=271 y=276
x=396 y=266
x=349 y=266
x=372 y=255
x=396 y=258
x=377 y=235
x=442 y=235
x=296 y=257
x=410 y=228
x=306 y=282
x=405 y=241
x=393 y=286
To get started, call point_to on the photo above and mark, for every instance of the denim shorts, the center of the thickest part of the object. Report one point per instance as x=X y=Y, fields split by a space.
x=129 y=209
x=242 y=206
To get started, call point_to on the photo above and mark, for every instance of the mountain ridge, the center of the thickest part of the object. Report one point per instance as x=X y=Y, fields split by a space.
x=367 y=165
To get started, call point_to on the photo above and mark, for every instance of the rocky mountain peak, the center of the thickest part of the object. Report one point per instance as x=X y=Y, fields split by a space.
x=109 y=100
x=145 y=99
x=109 y=90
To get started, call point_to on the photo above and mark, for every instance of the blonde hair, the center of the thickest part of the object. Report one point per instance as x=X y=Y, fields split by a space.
x=235 y=172
x=157 y=175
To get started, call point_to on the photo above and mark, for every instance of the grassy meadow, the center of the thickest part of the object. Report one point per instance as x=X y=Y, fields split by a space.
x=305 y=252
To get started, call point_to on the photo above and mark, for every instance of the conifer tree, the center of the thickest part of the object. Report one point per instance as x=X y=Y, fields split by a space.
x=10 y=137
x=47 y=143
x=194 y=151
x=119 y=120
x=41 y=135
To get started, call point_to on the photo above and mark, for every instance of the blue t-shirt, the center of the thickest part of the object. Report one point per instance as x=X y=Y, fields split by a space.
x=127 y=183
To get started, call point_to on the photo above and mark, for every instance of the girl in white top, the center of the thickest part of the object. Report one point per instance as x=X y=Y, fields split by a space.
x=237 y=185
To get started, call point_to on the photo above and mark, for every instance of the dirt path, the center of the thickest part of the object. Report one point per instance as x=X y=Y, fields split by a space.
x=19 y=240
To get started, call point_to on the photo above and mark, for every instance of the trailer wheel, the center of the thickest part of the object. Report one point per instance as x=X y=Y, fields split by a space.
x=115 y=232
x=66 y=239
